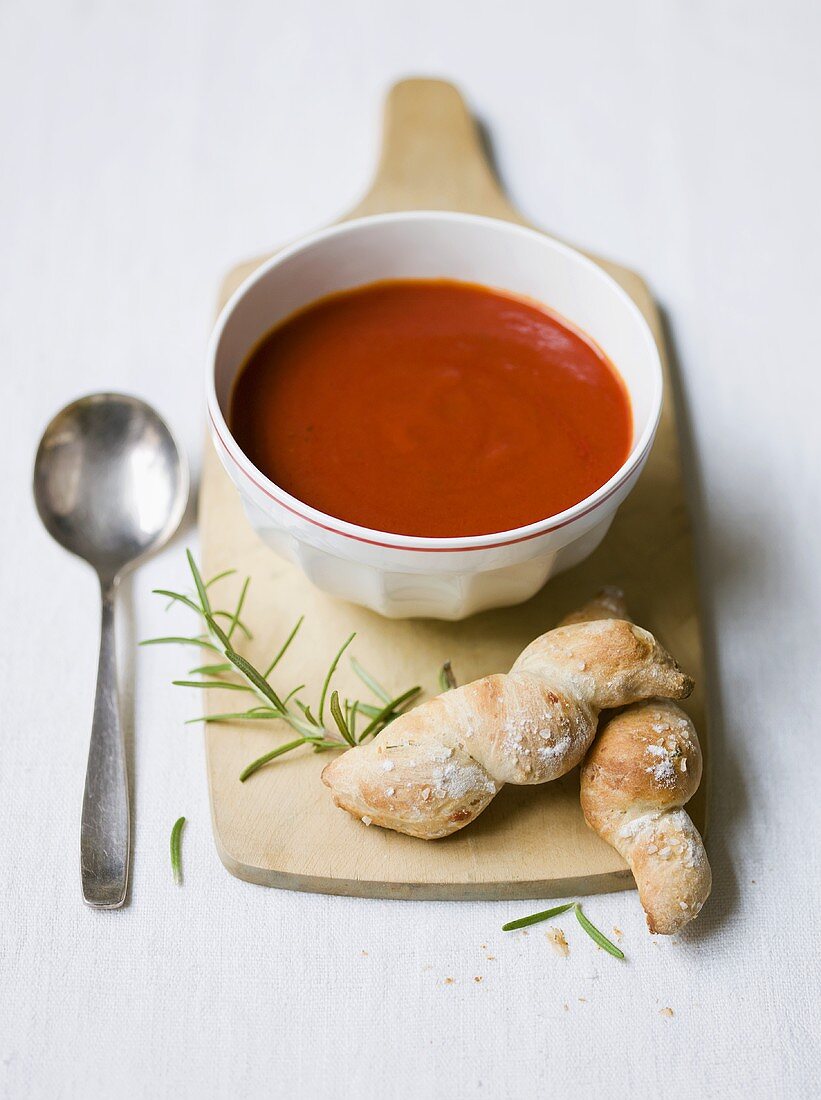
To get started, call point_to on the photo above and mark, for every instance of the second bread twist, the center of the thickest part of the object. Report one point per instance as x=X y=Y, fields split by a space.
x=644 y=766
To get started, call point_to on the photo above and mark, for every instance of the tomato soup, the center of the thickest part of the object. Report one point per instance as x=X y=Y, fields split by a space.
x=431 y=408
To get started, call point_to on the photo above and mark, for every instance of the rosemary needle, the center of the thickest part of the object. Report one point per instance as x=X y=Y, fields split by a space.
x=240 y=604
x=535 y=918
x=284 y=648
x=329 y=675
x=596 y=935
x=447 y=680
x=369 y=681
x=176 y=855
x=339 y=718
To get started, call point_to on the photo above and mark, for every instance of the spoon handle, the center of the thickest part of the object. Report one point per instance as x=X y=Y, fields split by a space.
x=104 y=833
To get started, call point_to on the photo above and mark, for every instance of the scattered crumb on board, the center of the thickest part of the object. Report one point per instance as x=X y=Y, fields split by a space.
x=668 y=1012
x=555 y=937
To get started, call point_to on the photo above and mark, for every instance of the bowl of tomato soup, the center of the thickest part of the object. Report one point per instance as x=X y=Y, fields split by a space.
x=432 y=413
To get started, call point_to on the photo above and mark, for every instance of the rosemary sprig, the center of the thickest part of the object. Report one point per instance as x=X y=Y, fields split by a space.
x=590 y=928
x=234 y=672
x=176 y=853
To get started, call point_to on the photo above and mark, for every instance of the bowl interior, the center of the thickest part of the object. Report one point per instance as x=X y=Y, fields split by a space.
x=454 y=246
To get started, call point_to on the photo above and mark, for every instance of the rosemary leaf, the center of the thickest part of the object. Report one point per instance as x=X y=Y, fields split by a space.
x=535 y=918
x=368 y=710
x=176 y=854
x=284 y=648
x=201 y=592
x=210 y=670
x=369 y=681
x=330 y=673
x=220 y=576
x=238 y=611
x=222 y=684
x=176 y=597
x=215 y=628
x=260 y=715
x=255 y=765
x=596 y=935
x=229 y=615
x=306 y=710
x=447 y=680
x=292 y=693
x=248 y=671
x=180 y=641
x=339 y=718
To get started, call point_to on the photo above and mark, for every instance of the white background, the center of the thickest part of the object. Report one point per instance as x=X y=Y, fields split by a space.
x=144 y=148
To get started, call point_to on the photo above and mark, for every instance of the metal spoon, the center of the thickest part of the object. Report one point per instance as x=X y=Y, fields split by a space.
x=111 y=486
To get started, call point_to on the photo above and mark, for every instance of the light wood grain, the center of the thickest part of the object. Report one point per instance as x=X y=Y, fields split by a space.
x=280 y=828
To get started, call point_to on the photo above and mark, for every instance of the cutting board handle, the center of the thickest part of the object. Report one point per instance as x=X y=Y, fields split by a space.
x=432 y=156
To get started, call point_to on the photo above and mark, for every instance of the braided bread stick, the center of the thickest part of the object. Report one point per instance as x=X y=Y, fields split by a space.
x=433 y=770
x=643 y=766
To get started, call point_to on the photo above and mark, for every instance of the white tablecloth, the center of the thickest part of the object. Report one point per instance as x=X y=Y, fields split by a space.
x=145 y=148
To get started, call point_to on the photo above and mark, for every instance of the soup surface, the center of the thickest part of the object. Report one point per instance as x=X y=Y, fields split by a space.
x=431 y=408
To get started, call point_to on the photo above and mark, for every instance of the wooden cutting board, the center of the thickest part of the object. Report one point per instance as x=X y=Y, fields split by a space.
x=280 y=828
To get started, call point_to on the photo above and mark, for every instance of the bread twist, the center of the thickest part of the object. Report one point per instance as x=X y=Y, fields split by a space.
x=643 y=767
x=433 y=770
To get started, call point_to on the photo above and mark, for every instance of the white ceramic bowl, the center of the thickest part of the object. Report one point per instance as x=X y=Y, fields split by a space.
x=446 y=578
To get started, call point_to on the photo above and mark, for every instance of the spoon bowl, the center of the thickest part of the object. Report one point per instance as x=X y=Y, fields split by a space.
x=109 y=481
x=111 y=486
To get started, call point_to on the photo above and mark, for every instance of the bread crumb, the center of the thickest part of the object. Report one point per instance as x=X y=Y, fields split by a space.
x=364 y=952
x=583 y=1000
x=668 y=1012
x=491 y=958
x=477 y=978
x=555 y=937
x=449 y=981
x=617 y=932
x=566 y=1006
x=367 y=820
